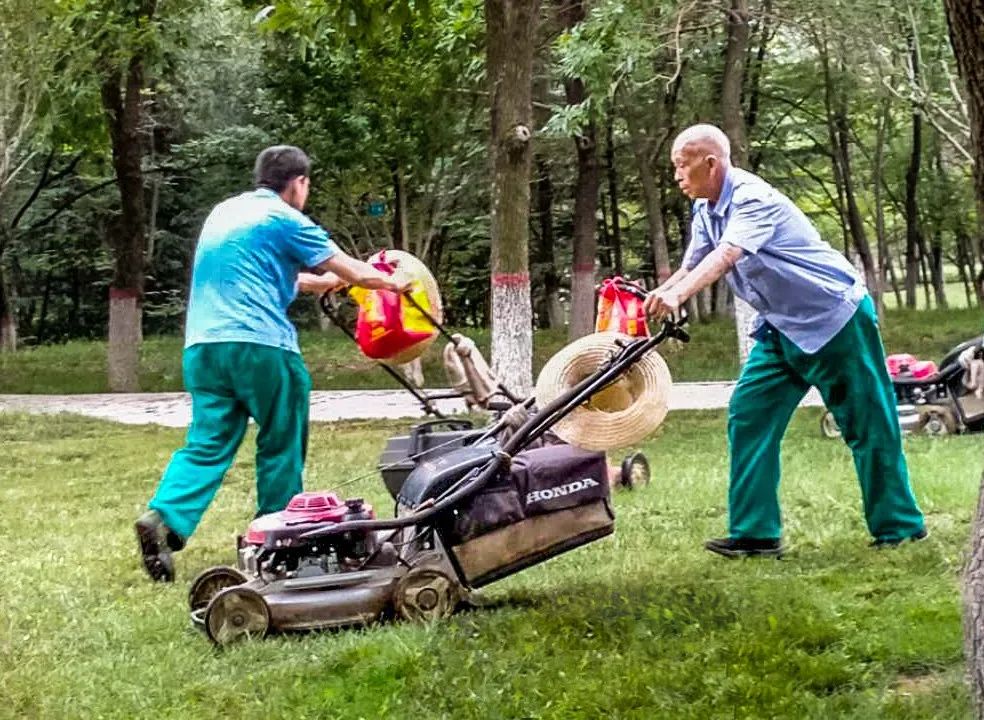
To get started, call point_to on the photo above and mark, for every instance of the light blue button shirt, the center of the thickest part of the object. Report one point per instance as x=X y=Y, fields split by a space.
x=796 y=282
x=245 y=272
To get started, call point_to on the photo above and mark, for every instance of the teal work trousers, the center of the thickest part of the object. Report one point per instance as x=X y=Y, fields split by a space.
x=229 y=383
x=850 y=374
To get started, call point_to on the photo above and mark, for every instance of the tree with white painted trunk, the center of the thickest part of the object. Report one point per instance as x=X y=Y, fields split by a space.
x=510 y=34
x=123 y=69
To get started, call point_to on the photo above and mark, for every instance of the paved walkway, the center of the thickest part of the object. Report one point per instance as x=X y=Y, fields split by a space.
x=174 y=409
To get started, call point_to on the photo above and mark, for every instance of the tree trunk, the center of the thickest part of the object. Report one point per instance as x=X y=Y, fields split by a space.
x=585 y=198
x=548 y=310
x=839 y=130
x=510 y=35
x=127 y=235
x=896 y=290
x=652 y=198
x=612 y=174
x=733 y=124
x=936 y=270
x=973 y=600
x=877 y=172
x=8 y=318
x=965 y=19
x=854 y=219
x=124 y=340
x=732 y=81
x=924 y=269
x=755 y=81
x=41 y=329
x=401 y=233
x=605 y=263
x=912 y=230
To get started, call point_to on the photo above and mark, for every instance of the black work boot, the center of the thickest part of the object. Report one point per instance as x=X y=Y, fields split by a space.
x=157 y=542
x=895 y=542
x=745 y=547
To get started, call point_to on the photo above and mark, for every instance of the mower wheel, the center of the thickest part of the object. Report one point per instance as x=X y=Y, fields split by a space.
x=635 y=471
x=937 y=423
x=829 y=427
x=425 y=595
x=236 y=613
x=209 y=582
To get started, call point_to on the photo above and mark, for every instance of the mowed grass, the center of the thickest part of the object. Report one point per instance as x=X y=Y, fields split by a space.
x=336 y=364
x=644 y=624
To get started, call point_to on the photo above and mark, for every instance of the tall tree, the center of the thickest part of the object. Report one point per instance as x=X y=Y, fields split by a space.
x=733 y=121
x=913 y=231
x=965 y=19
x=611 y=174
x=25 y=58
x=571 y=12
x=124 y=80
x=510 y=33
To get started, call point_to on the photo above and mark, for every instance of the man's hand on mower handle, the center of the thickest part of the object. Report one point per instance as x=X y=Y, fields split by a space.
x=400 y=283
x=662 y=303
x=355 y=272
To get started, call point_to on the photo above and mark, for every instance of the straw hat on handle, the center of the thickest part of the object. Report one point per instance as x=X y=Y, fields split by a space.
x=623 y=413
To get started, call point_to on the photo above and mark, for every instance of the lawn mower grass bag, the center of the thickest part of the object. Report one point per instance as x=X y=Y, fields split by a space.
x=389 y=326
x=550 y=500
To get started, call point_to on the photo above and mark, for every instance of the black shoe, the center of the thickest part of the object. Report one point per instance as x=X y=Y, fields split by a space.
x=895 y=542
x=745 y=547
x=157 y=542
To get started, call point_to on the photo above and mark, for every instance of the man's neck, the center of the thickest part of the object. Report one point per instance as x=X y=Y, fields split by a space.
x=713 y=199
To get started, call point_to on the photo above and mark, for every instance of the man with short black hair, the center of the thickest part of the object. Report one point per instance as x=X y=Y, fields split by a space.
x=241 y=358
x=816 y=326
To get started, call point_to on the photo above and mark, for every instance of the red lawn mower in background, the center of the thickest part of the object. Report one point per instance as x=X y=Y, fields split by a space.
x=934 y=399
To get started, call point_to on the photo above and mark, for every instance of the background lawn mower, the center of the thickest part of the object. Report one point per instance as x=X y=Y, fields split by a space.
x=934 y=400
x=465 y=517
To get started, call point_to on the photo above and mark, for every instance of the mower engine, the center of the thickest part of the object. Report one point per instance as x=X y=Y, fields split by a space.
x=273 y=547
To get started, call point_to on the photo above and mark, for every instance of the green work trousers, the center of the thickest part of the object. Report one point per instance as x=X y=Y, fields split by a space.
x=849 y=371
x=230 y=382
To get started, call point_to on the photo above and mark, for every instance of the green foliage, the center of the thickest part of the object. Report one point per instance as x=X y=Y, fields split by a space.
x=644 y=624
x=390 y=97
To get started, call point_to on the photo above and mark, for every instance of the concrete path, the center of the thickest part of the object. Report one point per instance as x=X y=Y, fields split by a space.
x=174 y=409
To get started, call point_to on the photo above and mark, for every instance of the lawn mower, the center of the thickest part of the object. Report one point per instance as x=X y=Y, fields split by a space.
x=931 y=399
x=465 y=517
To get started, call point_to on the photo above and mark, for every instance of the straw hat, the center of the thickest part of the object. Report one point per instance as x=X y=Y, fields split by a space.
x=412 y=267
x=621 y=414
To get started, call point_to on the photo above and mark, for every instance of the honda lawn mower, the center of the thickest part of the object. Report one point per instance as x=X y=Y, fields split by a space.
x=935 y=399
x=465 y=517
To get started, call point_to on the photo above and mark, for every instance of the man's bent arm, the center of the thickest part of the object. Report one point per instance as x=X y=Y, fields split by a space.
x=711 y=269
x=673 y=279
x=356 y=272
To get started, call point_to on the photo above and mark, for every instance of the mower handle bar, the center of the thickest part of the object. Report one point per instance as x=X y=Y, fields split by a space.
x=533 y=428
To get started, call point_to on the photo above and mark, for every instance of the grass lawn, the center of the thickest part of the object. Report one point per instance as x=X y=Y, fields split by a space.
x=336 y=364
x=644 y=624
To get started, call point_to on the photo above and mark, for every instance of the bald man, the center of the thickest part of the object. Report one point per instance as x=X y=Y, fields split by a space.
x=816 y=326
